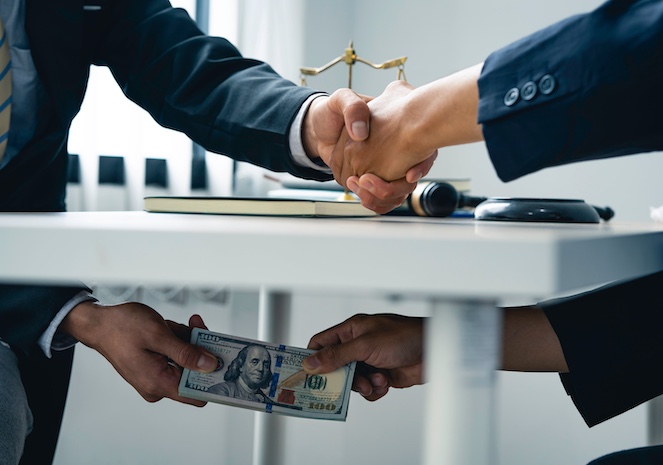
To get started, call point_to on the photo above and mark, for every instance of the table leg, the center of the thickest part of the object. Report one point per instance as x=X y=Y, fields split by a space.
x=273 y=325
x=462 y=347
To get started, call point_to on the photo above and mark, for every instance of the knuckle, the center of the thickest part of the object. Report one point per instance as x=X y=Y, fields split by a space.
x=187 y=356
x=399 y=85
x=359 y=317
x=395 y=85
x=357 y=104
x=150 y=392
x=399 y=201
x=332 y=353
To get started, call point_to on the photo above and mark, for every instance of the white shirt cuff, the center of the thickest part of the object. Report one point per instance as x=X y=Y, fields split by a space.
x=51 y=339
x=295 y=138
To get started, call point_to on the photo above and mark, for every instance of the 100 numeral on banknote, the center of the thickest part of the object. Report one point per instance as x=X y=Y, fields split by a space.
x=267 y=377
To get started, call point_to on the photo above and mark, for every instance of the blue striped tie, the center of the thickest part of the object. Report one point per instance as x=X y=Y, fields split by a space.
x=5 y=89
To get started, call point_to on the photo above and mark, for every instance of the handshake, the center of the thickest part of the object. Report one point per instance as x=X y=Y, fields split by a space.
x=380 y=147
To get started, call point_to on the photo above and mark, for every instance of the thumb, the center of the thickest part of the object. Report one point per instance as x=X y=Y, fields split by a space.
x=332 y=357
x=189 y=356
x=196 y=321
x=355 y=111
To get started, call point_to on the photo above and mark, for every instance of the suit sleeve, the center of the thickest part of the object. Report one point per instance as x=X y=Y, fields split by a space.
x=27 y=310
x=588 y=87
x=200 y=85
x=611 y=338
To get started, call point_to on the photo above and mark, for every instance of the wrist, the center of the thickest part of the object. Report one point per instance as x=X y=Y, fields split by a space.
x=310 y=139
x=450 y=110
x=83 y=322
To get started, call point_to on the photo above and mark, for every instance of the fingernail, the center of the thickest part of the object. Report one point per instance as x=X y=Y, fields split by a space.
x=368 y=185
x=360 y=130
x=352 y=185
x=376 y=380
x=417 y=177
x=207 y=363
x=366 y=392
x=311 y=363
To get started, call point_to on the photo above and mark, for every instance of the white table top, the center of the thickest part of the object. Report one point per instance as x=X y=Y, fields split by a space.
x=450 y=257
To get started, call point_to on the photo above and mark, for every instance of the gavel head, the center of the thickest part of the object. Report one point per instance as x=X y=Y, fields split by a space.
x=438 y=199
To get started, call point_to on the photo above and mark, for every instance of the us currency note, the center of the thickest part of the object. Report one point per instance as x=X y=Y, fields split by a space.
x=267 y=377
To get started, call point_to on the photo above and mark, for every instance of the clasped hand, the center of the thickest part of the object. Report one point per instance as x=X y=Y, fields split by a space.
x=407 y=126
x=364 y=142
x=394 y=149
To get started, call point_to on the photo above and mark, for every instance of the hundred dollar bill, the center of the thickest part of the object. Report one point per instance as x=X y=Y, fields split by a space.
x=267 y=377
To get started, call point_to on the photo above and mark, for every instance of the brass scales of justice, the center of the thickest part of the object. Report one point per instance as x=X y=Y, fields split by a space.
x=350 y=57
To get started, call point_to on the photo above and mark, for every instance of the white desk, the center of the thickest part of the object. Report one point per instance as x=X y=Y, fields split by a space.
x=464 y=268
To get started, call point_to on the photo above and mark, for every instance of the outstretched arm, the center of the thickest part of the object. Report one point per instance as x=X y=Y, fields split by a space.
x=541 y=107
x=390 y=349
x=408 y=125
x=529 y=342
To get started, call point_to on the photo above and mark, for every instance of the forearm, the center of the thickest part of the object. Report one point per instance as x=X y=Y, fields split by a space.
x=530 y=343
x=444 y=112
x=593 y=103
x=200 y=85
x=408 y=125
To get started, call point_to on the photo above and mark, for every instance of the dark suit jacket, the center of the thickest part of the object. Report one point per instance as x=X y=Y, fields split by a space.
x=607 y=69
x=611 y=338
x=199 y=85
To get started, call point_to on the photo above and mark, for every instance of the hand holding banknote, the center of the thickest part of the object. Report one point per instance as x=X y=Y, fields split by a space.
x=267 y=377
x=389 y=348
x=146 y=350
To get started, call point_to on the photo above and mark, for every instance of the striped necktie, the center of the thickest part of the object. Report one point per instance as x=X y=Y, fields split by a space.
x=5 y=89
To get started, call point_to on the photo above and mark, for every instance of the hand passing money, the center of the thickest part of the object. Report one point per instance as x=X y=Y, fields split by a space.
x=267 y=377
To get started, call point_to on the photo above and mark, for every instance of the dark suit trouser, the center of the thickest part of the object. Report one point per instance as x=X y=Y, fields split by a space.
x=46 y=382
x=642 y=456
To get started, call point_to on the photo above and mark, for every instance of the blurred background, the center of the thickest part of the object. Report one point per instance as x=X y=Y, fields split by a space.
x=107 y=422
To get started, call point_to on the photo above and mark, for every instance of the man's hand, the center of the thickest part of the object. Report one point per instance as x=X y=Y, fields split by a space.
x=382 y=196
x=389 y=348
x=389 y=164
x=146 y=350
x=327 y=117
x=407 y=127
x=393 y=146
x=345 y=114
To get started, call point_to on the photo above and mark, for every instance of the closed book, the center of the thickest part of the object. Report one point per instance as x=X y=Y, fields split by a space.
x=256 y=206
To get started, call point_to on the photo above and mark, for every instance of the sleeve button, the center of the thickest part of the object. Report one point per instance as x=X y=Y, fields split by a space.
x=547 y=84
x=529 y=91
x=511 y=97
